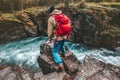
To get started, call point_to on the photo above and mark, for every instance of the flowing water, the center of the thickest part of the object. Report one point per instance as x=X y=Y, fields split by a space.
x=25 y=52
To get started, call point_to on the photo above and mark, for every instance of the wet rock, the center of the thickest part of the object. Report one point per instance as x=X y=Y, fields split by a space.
x=71 y=63
x=55 y=76
x=38 y=75
x=48 y=65
x=19 y=73
x=5 y=72
x=51 y=76
x=92 y=69
x=15 y=73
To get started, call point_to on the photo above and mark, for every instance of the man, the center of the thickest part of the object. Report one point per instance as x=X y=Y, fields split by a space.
x=59 y=40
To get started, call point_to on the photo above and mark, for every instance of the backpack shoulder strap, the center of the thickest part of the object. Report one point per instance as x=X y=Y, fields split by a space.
x=55 y=16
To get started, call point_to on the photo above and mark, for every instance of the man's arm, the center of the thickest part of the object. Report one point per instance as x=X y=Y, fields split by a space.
x=50 y=29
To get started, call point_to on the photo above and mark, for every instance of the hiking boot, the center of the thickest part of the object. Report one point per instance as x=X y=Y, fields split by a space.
x=61 y=68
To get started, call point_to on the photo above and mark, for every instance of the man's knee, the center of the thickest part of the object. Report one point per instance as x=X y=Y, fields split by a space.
x=57 y=58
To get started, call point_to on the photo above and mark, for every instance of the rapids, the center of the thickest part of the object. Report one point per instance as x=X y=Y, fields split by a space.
x=25 y=52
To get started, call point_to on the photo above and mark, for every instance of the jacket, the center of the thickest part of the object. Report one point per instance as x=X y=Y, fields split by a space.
x=52 y=26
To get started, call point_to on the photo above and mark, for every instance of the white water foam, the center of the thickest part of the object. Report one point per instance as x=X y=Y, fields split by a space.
x=101 y=54
x=23 y=52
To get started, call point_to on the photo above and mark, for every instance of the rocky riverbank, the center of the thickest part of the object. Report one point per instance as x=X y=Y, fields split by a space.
x=89 y=69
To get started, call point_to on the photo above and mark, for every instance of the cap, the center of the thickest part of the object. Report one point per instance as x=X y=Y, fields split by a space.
x=51 y=8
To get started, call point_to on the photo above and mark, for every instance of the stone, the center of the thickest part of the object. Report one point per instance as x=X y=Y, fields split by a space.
x=92 y=69
x=15 y=73
x=29 y=26
x=47 y=64
x=71 y=63
x=11 y=76
x=55 y=76
x=4 y=72
x=38 y=75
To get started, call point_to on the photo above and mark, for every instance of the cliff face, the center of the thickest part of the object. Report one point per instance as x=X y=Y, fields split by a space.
x=23 y=25
x=95 y=26
x=11 y=30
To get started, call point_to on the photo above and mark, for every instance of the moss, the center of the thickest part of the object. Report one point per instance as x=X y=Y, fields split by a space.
x=113 y=4
x=110 y=34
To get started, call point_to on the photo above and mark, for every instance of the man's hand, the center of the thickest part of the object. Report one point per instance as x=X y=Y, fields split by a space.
x=49 y=42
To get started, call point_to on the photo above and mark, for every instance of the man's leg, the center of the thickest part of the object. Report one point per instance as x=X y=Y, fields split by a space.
x=56 y=56
x=61 y=66
x=62 y=48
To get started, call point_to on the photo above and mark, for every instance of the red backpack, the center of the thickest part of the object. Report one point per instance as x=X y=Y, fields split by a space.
x=64 y=25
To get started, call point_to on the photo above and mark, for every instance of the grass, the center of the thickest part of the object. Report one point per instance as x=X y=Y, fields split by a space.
x=116 y=3
x=113 y=5
x=8 y=17
x=36 y=10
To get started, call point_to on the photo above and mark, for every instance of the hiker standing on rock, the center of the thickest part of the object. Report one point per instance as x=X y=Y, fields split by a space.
x=58 y=25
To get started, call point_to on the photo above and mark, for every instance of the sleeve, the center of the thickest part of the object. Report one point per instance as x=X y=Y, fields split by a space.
x=50 y=28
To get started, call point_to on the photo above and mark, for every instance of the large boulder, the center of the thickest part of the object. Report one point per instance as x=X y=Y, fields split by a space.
x=15 y=73
x=48 y=65
x=93 y=69
x=90 y=69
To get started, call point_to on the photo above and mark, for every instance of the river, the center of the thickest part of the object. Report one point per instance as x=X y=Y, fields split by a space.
x=25 y=52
